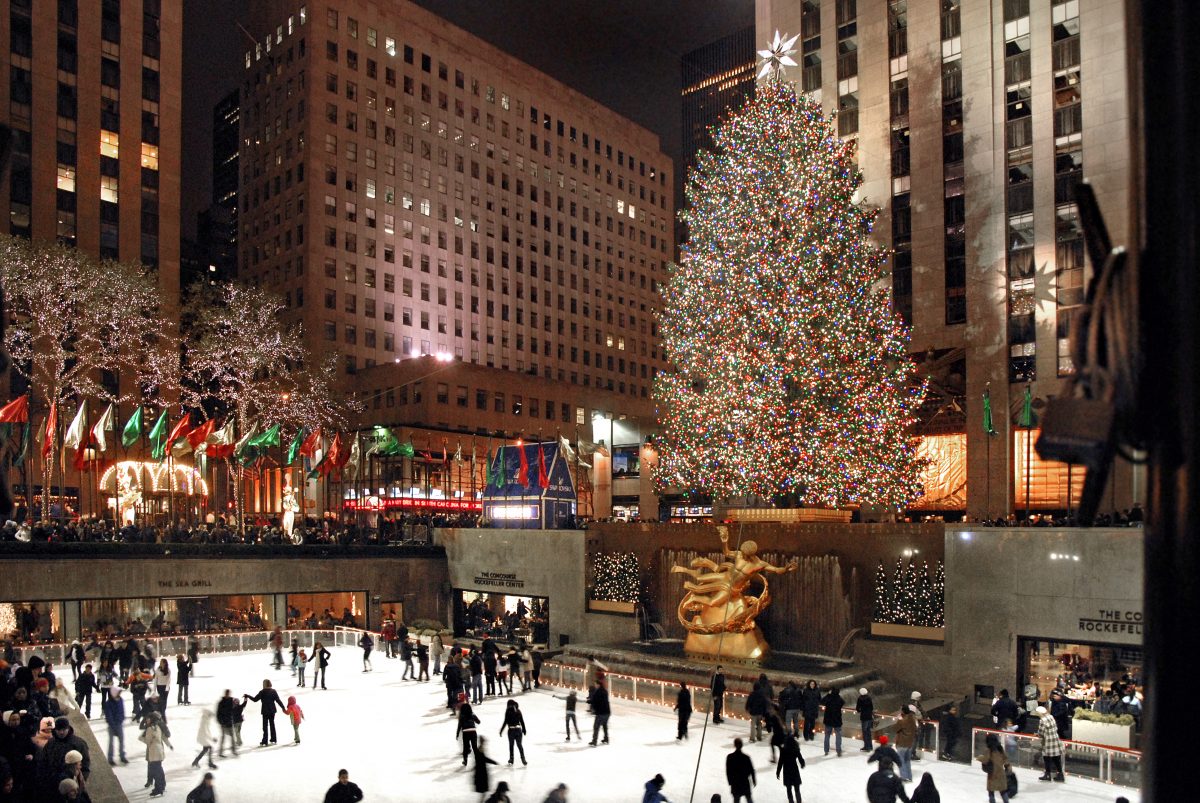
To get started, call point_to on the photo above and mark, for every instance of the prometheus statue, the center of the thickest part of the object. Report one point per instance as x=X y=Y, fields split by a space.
x=716 y=611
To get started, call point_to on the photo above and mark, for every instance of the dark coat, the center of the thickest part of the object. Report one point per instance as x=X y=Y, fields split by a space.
x=885 y=787
x=321 y=656
x=926 y=792
x=344 y=793
x=757 y=702
x=812 y=702
x=114 y=710
x=481 y=770
x=885 y=751
x=1005 y=708
x=598 y=700
x=718 y=684
x=513 y=718
x=790 y=763
x=225 y=712
x=269 y=699
x=53 y=757
x=205 y=794
x=739 y=772
x=833 y=710
x=683 y=701
x=865 y=707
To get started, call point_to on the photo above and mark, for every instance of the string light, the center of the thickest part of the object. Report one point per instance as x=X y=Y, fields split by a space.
x=791 y=368
x=616 y=576
x=911 y=596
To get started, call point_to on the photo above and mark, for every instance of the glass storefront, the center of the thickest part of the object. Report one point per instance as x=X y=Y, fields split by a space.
x=31 y=622
x=1084 y=672
x=172 y=615
x=327 y=609
x=501 y=616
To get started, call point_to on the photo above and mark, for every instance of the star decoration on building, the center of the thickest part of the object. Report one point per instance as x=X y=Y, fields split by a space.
x=777 y=55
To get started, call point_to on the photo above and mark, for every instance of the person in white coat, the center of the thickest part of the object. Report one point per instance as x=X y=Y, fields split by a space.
x=156 y=739
x=205 y=738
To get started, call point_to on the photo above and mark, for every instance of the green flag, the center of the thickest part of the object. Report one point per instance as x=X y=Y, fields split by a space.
x=268 y=438
x=406 y=450
x=133 y=429
x=988 y=427
x=1026 y=420
x=158 y=437
x=384 y=443
x=19 y=458
x=497 y=477
x=294 y=446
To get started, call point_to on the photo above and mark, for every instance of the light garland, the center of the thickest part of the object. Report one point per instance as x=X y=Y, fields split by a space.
x=910 y=596
x=616 y=576
x=791 y=367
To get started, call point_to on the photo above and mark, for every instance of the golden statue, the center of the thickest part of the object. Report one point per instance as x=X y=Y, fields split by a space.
x=718 y=615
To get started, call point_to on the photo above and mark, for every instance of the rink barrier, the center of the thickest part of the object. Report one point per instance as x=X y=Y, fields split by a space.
x=1112 y=765
x=656 y=691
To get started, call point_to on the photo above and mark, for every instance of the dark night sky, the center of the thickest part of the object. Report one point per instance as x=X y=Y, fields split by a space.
x=623 y=53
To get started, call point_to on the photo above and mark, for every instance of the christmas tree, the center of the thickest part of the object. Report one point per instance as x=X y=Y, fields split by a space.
x=791 y=375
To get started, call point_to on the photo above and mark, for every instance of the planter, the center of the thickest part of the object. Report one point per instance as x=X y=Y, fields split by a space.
x=914 y=632
x=611 y=606
x=1084 y=730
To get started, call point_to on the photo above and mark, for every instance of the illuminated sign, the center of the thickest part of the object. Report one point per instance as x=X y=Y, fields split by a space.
x=514 y=512
x=375 y=503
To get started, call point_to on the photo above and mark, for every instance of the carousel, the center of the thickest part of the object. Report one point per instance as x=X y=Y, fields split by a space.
x=149 y=491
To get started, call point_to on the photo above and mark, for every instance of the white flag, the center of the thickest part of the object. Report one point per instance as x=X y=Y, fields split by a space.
x=104 y=426
x=351 y=467
x=458 y=458
x=75 y=434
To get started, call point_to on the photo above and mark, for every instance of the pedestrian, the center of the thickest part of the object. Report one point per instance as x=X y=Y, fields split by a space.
x=295 y=716
x=865 y=707
x=653 y=787
x=113 y=709
x=500 y=795
x=321 y=656
x=906 y=739
x=467 y=731
x=756 y=707
x=812 y=708
x=183 y=675
x=791 y=705
x=572 y=700
x=422 y=661
x=269 y=701
x=739 y=773
x=514 y=721
x=833 y=718
x=203 y=793
x=156 y=736
x=475 y=666
x=915 y=703
x=718 y=695
x=995 y=763
x=301 y=665
x=406 y=656
x=367 y=643
x=683 y=710
x=789 y=766
x=885 y=752
x=344 y=791
x=481 y=780
x=226 y=712
x=204 y=738
x=601 y=711
x=884 y=786
x=926 y=791
x=1052 y=746
x=85 y=686
x=950 y=728
x=436 y=649
x=557 y=795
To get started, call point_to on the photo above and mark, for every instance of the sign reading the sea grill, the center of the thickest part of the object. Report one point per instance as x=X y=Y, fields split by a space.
x=1112 y=622
x=498 y=580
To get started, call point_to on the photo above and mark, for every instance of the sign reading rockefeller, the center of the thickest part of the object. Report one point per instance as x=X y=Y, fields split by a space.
x=1112 y=621
x=498 y=580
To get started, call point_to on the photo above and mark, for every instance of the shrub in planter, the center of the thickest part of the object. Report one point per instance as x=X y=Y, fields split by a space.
x=1087 y=715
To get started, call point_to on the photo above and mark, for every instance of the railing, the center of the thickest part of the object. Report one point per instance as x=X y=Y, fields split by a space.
x=656 y=691
x=1112 y=765
x=210 y=643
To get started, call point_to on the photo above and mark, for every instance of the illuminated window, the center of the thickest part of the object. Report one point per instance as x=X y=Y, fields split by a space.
x=149 y=156
x=108 y=189
x=109 y=144
x=390 y=46
x=66 y=178
x=1049 y=482
x=609 y=340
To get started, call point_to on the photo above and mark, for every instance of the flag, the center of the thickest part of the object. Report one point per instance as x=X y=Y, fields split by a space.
x=497 y=475
x=406 y=449
x=296 y=444
x=383 y=442
x=458 y=457
x=240 y=448
x=19 y=459
x=988 y=427
x=351 y=467
x=325 y=464
x=77 y=433
x=103 y=426
x=198 y=437
x=343 y=455
x=16 y=411
x=565 y=445
x=311 y=444
x=220 y=444
x=1026 y=420
x=266 y=439
x=445 y=454
x=158 y=437
x=133 y=429
x=523 y=465
x=543 y=475
x=181 y=429
x=51 y=431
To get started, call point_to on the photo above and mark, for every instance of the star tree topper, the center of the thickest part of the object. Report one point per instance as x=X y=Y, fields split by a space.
x=777 y=55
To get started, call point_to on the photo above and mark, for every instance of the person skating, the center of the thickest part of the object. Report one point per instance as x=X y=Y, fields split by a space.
x=321 y=656
x=572 y=701
x=85 y=687
x=884 y=752
x=718 y=696
x=204 y=792
x=489 y=671
x=739 y=774
x=113 y=709
x=436 y=649
x=865 y=707
x=557 y=795
x=914 y=702
x=757 y=704
x=950 y=730
x=76 y=657
x=811 y=701
x=996 y=765
x=502 y=678
x=480 y=775
x=452 y=677
x=295 y=655
x=295 y=716
x=277 y=648
x=906 y=739
x=777 y=730
x=926 y=791
x=475 y=665
x=884 y=786
x=832 y=719
x=653 y=790
x=514 y=669
x=183 y=676
x=601 y=711
x=1052 y=746
x=683 y=710
x=270 y=702
x=344 y=791
x=226 y=712
x=526 y=669
x=500 y=795
x=406 y=655
x=789 y=766
x=204 y=738
x=156 y=737
x=301 y=665
x=367 y=644
x=422 y=662
x=791 y=701
x=536 y=659
x=514 y=721
x=467 y=731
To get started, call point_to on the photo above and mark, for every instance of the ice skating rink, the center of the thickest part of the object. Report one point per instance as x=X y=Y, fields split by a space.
x=397 y=740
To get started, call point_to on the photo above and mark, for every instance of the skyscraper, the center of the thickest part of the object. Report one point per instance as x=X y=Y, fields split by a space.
x=716 y=78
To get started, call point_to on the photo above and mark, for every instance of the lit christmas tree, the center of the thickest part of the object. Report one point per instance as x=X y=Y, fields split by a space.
x=939 y=596
x=791 y=375
x=883 y=595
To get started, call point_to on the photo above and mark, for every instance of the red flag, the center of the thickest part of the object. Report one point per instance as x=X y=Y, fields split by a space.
x=523 y=471
x=200 y=434
x=181 y=429
x=445 y=455
x=342 y=457
x=311 y=443
x=543 y=475
x=332 y=455
x=51 y=431
x=16 y=411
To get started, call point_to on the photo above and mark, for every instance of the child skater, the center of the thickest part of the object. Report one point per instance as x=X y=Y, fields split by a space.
x=295 y=715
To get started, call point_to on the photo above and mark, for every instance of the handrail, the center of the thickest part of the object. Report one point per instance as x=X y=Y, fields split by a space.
x=1109 y=764
x=1113 y=748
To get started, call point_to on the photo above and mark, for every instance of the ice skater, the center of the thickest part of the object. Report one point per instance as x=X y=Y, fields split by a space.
x=601 y=711
x=367 y=643
x=475 y=663
x=739 y=773
x=204 y=738
x=683 y=710
x=436 y=649
x=422 y=662
x=467 y=731
x=572 y=700
x=718 y=696
x=269 y=700
x=514 y=721
x=321 y=656
x=295 y=716
x=482 y=782
x=833 y=718
x=301 y=665
x=344 y=791
x=226 y=716
x=203 y=793
x=653 y=790
x=277 y=648
x=500 y=795
x=113 y=709
x=183 y=675
x=154 y=737
x=406 y=656
x=295 y=663
x=789 y=766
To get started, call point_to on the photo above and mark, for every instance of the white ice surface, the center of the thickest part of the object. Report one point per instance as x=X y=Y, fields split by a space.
x=396 y=738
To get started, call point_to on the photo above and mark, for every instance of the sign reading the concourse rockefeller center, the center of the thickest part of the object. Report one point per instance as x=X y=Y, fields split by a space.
x=1112 y=622
x=498 y=580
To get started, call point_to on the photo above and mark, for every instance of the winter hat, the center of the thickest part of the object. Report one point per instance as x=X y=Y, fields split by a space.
x=502 y=787
x=73 y=757
x=1041 y=709
x=42 y=684
x=62 y=723
x=46 y=723
x=66 y=786
x=863 y=692
x=883 y=740
x=916 y=695
x=36 y=662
